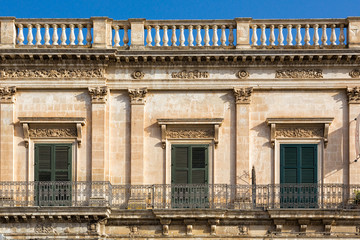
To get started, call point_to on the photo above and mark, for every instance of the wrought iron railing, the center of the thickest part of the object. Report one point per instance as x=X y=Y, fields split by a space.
x=179 y=196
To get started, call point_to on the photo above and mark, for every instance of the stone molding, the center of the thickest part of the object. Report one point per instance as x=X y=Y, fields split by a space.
x=137 y=96
x=7 y=94
x=98 y=94
x=242 y=74
x=138 y=75
x=52 y=73
x=243 y=95
x=190 y=75
x=353 y=95
x=52 y=128
x=355 y=73
x=299 y=128
x=192 y=128
x=299 y=73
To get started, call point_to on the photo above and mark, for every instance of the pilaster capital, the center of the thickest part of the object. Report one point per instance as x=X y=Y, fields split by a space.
x=98 y=94
x=7 y=94
x=137 y=96
x=353 y=95
x=243 y=95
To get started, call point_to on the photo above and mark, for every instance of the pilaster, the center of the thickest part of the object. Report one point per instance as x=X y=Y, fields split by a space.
x=243 y=32
x=137 y=33
x=7 y=100
x=101 y=32
x=137 y=101
x=7 y=32
x=99 y=136
x=242 y=100
x=354 y=32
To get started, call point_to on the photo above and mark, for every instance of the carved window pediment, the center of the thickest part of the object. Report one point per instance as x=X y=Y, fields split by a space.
x=52 y=128
x=299 y=128
x=192 y=128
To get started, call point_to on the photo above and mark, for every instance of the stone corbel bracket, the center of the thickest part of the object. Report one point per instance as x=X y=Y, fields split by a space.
x=52 y=127
x=299 y=128
x=190 y=128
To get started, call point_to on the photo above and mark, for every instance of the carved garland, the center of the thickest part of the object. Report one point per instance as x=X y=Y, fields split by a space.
x=299 y=73
x=299 y=132
x=190 y=75
x=189 y=133
x=52 y=73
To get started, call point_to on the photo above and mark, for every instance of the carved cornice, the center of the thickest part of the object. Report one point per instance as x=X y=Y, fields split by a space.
x=138 y=75
x=7 y=94
x=299 y=73
x=353 y=95
x=355 y=73
x=243 y=95
x=190 y=75
x=137 y=96
x=242 y=74
x=52 y=73
x=99 y=94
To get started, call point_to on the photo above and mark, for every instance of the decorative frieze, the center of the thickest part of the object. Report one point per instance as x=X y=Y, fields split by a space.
x=57 y=132
x=299 y=132
x=353 y=95
x=355 y=73
x=44 y=228
x=7 y=94
x=190 y=75
x=52 y=73
x=299 y=73
x=190 y=133
x=242 y=74
x=138 y=75
x=98 y=94
x=242 y=95
x=137 y=96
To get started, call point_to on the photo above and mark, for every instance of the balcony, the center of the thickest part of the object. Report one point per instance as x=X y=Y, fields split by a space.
x=179 y=196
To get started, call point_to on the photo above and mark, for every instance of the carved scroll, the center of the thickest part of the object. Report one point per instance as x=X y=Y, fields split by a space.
x=190 y=75
x=299 y=73
x=190 y=133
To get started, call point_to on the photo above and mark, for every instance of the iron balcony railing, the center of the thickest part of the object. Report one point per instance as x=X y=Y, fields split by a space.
x=179 y=196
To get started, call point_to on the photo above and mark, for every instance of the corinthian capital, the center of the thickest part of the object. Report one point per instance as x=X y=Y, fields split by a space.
x=137 y=96
x=353 y=95
x=7 y=94
x=99 y=94
x=242 y=95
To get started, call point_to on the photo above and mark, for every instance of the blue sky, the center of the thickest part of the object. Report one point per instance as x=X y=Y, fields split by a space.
x=181 y=9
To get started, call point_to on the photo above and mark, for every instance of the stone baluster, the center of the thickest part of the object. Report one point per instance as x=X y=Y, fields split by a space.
x=63 y=37
x=298 y=35
x=316 y=35
x=289 y=37
x=182 y=36
x=72 y=34
x=149 y=37
x=223 y=35
x=215 y=37
x=333 y=35
x=47 y=34
x=198 y=35
x=324 y=36
x=263 y=35
x=191 y=36
x=38 y=35
x=173 y=36
x=30 y=37
x=55 y=37
x=281 y=36
x=80 y=35
x=20 y=37
x=88 y=35
x=206 y=37
x=254 y=36
x=272 y=35
x=307 y=35
x=231 y=36
x=117 y=36
x=165 y=36
x=342 y=36
x=126 y=36
x=157 y=35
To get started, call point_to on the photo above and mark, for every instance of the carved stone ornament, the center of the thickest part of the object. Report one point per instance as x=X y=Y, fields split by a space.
x=353 y=95
x=7 y=94
x=137 y=96
x=242 y=74
x=138 y=75
x=190 y=133
x=69 y=132
x=52 y=73
x=98 y=94
x=44 y=228
x=243 y=230
x=299 y=132
x=299 y=73
x=242 y=95
x=355 y=73
x=190 y=75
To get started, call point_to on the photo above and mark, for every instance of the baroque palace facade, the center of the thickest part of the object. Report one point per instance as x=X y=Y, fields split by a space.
x=174 y=129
